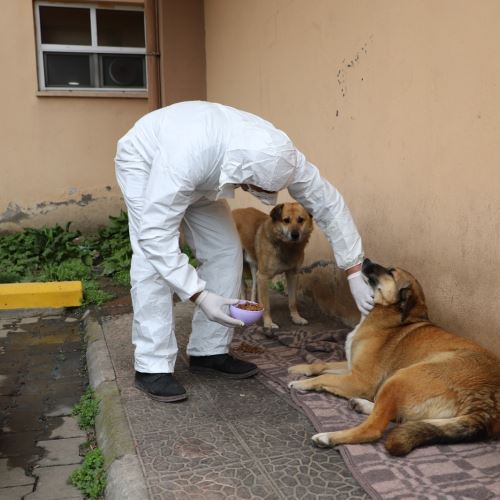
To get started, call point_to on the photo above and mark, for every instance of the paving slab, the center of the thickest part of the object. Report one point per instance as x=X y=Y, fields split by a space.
x=67 y=427
x=13 y=476
x=61 y=451
x=29 y=321
x=15 y=493
x=53 y=484
x=40 y=381
x=229 y=439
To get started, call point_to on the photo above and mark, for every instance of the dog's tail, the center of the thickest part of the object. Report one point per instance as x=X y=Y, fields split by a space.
x=410 y=435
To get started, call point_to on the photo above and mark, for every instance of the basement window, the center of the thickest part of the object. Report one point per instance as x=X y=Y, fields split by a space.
x=85 y=47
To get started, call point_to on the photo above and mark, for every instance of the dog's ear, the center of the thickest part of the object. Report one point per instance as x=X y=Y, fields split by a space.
x=276 y=212
x=407 y=302
x=310 y=215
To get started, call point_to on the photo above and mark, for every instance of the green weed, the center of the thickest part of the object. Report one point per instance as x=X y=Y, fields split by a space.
x=189 y=252
x=59 y=254
x=114 y=250
x=87 y=409
x=67 y=270
x=24 y=254
x=92 y=294
x=90 y=477
x=278 y=286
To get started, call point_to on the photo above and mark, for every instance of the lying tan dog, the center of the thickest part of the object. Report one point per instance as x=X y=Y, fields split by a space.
x=443 y=388
x=274 y=244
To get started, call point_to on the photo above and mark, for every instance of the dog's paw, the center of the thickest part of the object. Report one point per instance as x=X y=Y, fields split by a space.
x=303 y=369
x=360 y=405
x=299 y=320
x=296 y=385
x=322 y=440
x=271 y=325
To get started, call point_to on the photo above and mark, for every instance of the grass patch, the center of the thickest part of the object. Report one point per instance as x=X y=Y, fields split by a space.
x=90 y=477
x=59 y=254
x=114 y=250
x=86 y=410
x=278 y=286
x=189 y=252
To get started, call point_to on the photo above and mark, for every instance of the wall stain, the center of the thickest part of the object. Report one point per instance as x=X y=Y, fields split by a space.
x=348 y=64
x=15 y=213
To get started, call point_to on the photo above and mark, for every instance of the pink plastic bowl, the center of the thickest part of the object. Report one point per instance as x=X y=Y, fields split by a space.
x=248 y=317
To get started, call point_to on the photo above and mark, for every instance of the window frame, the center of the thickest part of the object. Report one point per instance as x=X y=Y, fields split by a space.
x=43 y=48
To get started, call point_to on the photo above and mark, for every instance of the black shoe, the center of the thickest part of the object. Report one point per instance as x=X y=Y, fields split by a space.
x=222 y=364
x=160 y=386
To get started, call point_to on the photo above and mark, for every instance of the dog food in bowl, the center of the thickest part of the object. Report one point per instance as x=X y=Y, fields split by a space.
x=246 y=311
x=249 y=306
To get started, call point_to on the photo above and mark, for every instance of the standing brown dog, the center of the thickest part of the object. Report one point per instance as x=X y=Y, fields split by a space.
x=274 y=244
x=443 y=388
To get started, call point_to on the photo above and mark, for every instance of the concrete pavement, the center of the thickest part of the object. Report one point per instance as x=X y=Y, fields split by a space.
x=40 y=381
x=231 y=439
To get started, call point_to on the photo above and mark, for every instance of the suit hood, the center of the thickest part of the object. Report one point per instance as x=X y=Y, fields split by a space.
x=259 y=155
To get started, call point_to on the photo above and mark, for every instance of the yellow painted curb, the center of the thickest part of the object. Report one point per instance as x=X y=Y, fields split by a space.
x=40 y=295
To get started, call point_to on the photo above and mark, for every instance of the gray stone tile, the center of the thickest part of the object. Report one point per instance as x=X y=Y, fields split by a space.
x=13 y=476
x=123 y=364
x=270 y=436
x=61 y=407
x=53 y=484
x=235 y=481
x=18 y=444
x=61 y=451
x=52 y=317
x=29 y=321
x=24 y=417
x=67 y=428
x=242 y=398
x=5 y=323
x=313 y=474
x=190 y=448
x=145 y=414
x=5 y=402
x=15 y=493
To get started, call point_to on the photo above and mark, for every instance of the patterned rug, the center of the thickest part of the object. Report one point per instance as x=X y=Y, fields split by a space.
x=444 y=472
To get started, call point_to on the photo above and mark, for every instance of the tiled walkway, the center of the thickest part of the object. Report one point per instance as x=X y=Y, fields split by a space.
x=229 y=440
x=40 y=381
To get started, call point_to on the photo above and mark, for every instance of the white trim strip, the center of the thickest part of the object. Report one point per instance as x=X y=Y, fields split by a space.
x=52 y=47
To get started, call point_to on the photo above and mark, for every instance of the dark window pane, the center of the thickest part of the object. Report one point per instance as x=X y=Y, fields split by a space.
x=67 y=70
x=120 y=28
x=65 y=25
x=122 y=71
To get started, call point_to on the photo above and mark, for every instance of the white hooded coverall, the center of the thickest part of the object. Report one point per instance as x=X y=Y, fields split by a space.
x=177 y=165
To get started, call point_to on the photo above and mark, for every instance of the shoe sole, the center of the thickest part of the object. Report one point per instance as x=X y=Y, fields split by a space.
x=163 y=399
x=202 y=369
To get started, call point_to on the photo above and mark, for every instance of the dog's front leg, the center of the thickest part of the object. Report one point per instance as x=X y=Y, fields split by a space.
x=349 y=385
x=262 y=285
x=253 y=270
x=337 y=367
x=380 y=414
x=291 y=280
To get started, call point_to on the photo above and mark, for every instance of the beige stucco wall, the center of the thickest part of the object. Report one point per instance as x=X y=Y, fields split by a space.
x=57 y=152
x=398 y=103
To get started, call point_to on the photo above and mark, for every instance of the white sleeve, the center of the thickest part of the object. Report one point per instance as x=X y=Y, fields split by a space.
x=168 y=194
x=329 y=211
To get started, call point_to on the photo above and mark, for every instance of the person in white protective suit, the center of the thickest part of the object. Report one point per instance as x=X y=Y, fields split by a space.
x=177 y=166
